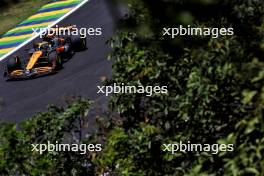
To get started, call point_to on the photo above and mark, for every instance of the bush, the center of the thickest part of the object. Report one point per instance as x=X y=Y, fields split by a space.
x=62 y=125
x=215 y=88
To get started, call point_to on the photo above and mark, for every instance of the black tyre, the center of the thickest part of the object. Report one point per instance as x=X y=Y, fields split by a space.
x=55 y=60
x=14 y=63
x=78 y=43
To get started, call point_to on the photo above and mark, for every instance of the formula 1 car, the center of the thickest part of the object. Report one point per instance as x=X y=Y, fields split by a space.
x=45 y=57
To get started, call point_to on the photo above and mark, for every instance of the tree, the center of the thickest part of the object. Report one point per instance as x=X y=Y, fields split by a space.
x=215 y=89
x=61 y=125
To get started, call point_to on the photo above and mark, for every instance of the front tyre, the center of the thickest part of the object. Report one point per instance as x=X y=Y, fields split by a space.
x=14 y=63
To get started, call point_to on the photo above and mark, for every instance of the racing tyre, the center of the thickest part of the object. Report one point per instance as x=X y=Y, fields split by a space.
x=55 y=60
x=78 y=43
x=14 y=63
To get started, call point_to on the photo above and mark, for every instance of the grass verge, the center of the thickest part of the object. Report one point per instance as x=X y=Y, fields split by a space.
x=15 y=13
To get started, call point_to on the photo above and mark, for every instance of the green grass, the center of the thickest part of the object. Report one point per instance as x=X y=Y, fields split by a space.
x=13 y=14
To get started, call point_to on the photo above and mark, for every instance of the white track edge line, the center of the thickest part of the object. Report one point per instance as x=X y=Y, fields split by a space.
x=38 y=34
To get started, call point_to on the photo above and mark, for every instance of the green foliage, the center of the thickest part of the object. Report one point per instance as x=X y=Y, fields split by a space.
x=215 y=95
x=215 y=89
x=137 y=156
x=64 y=125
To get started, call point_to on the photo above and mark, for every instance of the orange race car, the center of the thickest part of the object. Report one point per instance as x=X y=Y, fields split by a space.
x=45 y=57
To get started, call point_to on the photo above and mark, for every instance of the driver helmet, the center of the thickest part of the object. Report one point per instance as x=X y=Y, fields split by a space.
x=48 y=37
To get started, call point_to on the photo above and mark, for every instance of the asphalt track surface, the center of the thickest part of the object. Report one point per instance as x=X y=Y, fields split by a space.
x=80 y=76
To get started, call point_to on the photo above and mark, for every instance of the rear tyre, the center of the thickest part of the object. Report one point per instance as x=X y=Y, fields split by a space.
x=78 y=43
x=13 y=64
